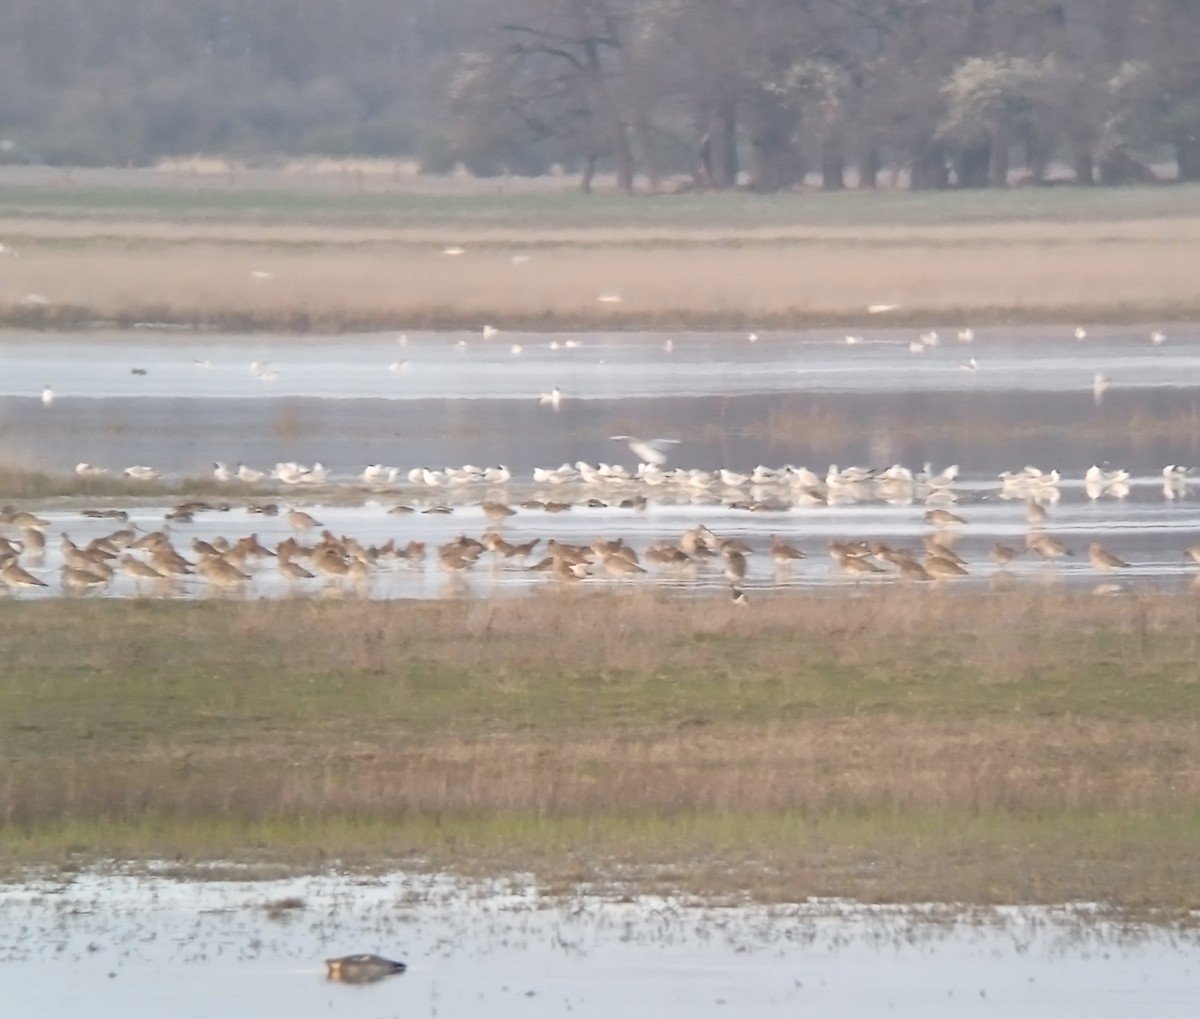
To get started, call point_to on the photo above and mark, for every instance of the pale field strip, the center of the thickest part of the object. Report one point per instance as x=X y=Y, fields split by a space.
x=1036 y=270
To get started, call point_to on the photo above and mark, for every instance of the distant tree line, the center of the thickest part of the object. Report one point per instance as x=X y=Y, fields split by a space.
x=724 y=93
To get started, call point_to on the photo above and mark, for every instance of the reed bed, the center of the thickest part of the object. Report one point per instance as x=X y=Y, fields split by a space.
x=887 y=738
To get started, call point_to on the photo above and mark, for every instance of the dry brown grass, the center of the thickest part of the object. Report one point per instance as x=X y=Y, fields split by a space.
x=1029 y=767
x=377 y=279
x=981 y=746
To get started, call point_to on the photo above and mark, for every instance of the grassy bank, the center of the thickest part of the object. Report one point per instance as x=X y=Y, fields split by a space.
x=1032 y=746
x=289 y=259
x=273 y=197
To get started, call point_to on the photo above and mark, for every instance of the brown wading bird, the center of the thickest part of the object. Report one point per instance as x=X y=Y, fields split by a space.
x=14 y=576
x=735 y=566
x=783 y=554
x=298 y=520
x=1102 y=559
x=1047 y=546
x=941 y=568
x=942 y=518
x=1002 y=555
x=362 y=969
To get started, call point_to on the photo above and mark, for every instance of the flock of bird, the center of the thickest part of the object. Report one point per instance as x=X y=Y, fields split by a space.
x=154 y=559
x=155 y=563
x=760 y=488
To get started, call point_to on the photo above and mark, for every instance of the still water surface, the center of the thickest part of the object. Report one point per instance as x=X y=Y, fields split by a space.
x=145 y=947
x=733 y=403
x=803 y=398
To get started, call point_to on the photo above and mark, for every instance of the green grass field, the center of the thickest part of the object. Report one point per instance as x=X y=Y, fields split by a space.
x=491 y=205
x=893 y=747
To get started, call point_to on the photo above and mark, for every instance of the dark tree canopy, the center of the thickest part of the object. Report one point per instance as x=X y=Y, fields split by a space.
x=719 y=93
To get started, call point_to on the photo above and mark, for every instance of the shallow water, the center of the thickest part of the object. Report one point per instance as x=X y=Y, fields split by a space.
x=336 y=401
x=454 y=366
x=804 y=398
x=133 y=947
x=1148 y=531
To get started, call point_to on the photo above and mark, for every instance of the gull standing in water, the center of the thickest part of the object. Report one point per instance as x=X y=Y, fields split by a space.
x=651 y=451
x=47 y=395
x=553 y=398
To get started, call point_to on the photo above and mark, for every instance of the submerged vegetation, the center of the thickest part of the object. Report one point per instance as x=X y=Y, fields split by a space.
x=1031 y=746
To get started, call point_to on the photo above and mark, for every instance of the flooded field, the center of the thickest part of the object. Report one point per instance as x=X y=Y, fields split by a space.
x=136 y=946
x=394 y=440
x=454 y=465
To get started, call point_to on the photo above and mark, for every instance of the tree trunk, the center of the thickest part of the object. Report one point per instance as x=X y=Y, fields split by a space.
x=929 y=170
x=641 y=130
x=775 y=163
x=1001 y=159
x=602 y=101
x=833 y=166
x=716 y=152
x=1037 y=155
x=1187 y=156
x=624 y=158
x=869 y=165
x=635 y=95
x=1083 y=162
x=972 y=165
x=725 y=152
x=587 y=175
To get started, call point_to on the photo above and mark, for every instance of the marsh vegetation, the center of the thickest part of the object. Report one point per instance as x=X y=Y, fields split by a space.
x=898 y=746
